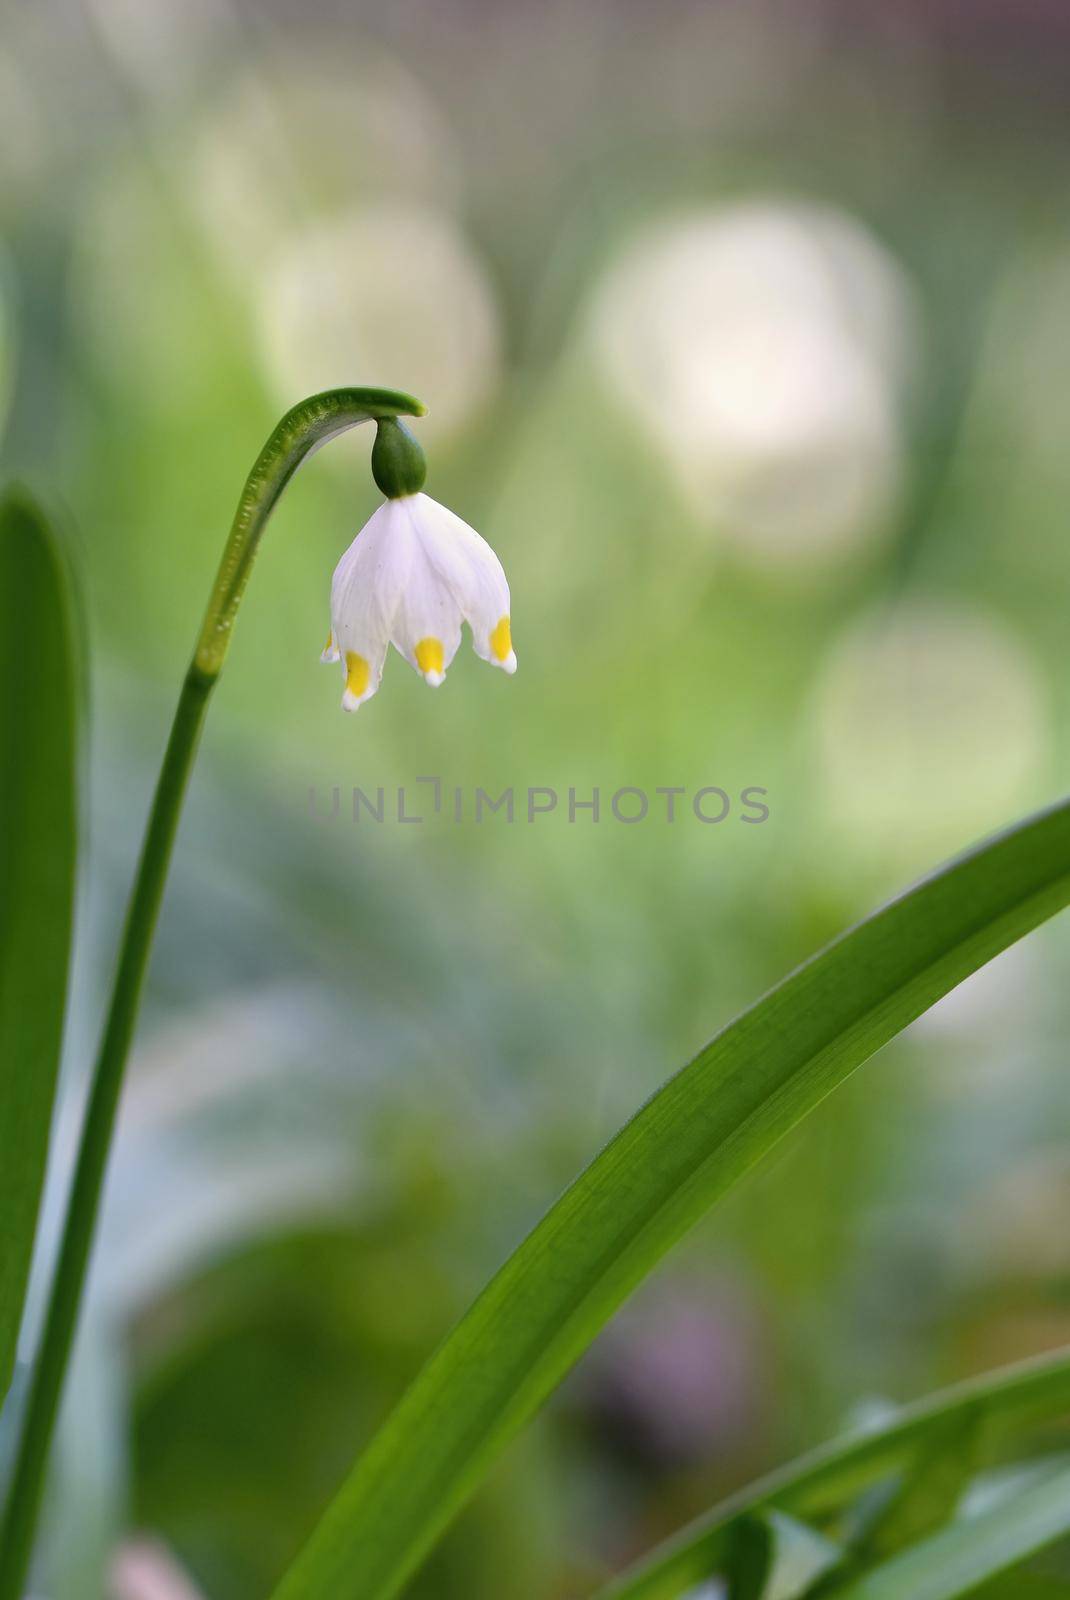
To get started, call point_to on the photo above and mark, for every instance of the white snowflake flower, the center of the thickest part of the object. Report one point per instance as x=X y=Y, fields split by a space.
x=410 y=577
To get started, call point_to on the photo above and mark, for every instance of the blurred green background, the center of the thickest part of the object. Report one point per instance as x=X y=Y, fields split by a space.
x=745 y=331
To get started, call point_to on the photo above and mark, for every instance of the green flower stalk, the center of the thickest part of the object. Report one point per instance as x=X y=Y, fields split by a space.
x=301 y=430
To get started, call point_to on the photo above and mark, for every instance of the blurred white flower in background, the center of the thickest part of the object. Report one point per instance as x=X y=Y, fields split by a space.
x=765 y=348
x=160 y=46
x=309 y=215
x=931 y=724
x=137 y=308
x=387 y=289
x=292 y=138
x=25 y=132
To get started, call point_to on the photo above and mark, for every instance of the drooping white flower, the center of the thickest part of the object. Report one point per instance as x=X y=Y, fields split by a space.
x=412 y=575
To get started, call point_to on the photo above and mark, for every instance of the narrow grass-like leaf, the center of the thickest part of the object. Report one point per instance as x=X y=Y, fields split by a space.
x=823 y=1481
x=927 y=1494
x=702 y=1130
x=305 y=426
x=774 y=1557
x=38 y=707
x=966 y=1554
x=1024 y=1585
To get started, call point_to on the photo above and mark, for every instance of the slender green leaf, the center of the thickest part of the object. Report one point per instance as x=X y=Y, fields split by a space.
x=966 y=1554
x=773 y=1557
x=927 y=1494
x=1024 y=1585
x=310 y=423
x=824 y=1480
x=38 y=706
x=703 y=1129
x=902 y=1510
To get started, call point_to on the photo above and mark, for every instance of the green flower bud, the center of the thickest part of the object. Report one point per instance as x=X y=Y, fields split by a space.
x=398 y=464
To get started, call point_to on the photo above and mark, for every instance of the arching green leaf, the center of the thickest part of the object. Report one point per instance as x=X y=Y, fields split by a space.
x=39 y=701
x=702 y=1130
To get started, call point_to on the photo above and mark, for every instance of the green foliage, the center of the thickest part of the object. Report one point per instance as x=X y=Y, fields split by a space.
x=926 y=1495
x=304 y=428
x=703 y=1129
x=966 y=1554
x=349 y=1312
x=1021 y=1584
x=773 y=1557
x=39 y=701
x=216 y=219
x=909 y=1465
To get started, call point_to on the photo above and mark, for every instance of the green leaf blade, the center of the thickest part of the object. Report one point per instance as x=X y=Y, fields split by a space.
x=702 y=1130
x=38 y=845
x=927 y=1495
x=968 y=1554
x=824 y=1480
x=774 y=1557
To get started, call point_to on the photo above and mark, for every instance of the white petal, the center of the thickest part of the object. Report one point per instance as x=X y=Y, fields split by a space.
x=427 y=624
x=468 y=567
x=365 y=593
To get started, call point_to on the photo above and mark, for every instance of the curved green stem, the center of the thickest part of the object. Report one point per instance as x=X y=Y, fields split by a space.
x=301 y=430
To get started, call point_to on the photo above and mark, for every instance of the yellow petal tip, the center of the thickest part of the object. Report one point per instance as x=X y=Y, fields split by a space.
x=501 y=644
x=429 y=659
x=358 y=675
